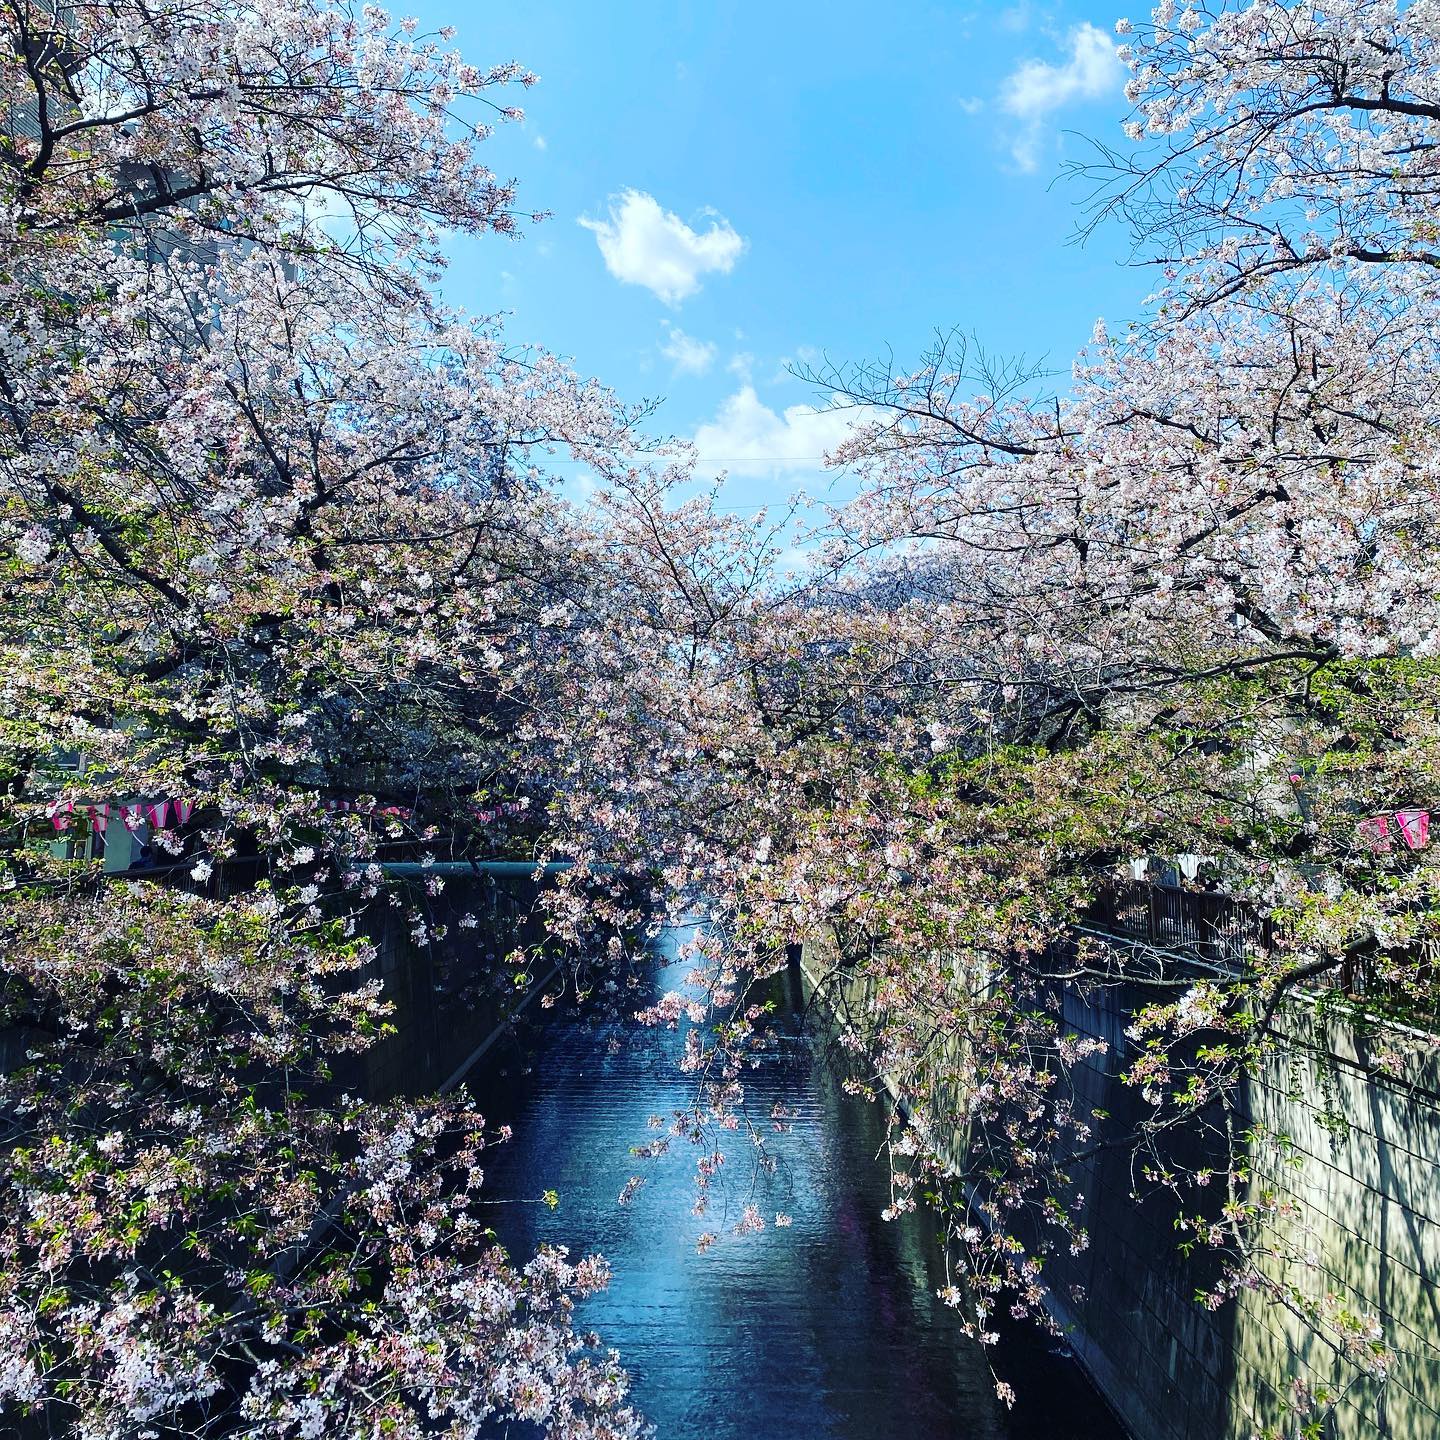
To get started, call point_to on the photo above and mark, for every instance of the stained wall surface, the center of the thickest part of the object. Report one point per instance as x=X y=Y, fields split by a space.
x=1360 y=1172
x=1363 y=1174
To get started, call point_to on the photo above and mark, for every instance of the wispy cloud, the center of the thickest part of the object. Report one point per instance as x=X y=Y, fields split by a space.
x=643 y=244
x=1017 y=17
x=1038 y=88
x=747 y=437
x=685 y=353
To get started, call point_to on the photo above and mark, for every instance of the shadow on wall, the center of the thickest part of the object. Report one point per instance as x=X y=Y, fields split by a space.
x=1363 y=1173
x=1129 y=1299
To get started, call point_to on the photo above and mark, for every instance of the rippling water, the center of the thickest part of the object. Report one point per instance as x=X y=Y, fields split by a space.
x=828 y=1329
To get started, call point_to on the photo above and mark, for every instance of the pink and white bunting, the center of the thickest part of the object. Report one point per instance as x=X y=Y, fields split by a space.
x=133 y=814
x=1414 y=827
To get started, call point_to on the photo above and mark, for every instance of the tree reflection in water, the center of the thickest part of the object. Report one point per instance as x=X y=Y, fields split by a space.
x=827 y=1328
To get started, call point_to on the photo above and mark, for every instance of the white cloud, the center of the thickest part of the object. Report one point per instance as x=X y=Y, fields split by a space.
x=746 y=437
x=1037 y=88
x=645 y=245
x=539 y=142
x=580 y=489
x=688 y=355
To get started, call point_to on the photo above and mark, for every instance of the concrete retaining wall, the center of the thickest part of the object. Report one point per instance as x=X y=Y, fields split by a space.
x=1365 y=1167
x=1362 y=1166
x=454 y=995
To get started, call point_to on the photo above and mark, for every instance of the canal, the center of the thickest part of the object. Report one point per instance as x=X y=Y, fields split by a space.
x=828 y=1328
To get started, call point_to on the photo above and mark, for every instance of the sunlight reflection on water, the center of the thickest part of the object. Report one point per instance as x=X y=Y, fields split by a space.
x=828 y=1329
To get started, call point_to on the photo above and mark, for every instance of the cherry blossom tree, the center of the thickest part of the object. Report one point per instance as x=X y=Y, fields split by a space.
x=273 y=530
x=1276 y=142
x=1187 y=607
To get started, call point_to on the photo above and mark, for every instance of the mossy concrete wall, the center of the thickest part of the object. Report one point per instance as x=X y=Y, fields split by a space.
x=1360 y=1171
x=1363 y=1169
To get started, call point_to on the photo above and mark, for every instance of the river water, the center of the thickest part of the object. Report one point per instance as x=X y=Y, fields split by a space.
x=827 y=1329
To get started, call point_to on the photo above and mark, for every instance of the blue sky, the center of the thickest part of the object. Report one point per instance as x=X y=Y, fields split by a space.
x=737 y=186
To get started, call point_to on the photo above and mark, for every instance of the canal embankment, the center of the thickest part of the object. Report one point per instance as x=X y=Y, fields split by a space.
x=1352 y=1102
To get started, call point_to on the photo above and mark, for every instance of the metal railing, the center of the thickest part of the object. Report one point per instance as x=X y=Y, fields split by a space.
x=1203 y=923
x=1227 y=934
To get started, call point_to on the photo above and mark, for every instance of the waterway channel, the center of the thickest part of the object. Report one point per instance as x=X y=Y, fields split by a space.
x=828 y=1328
